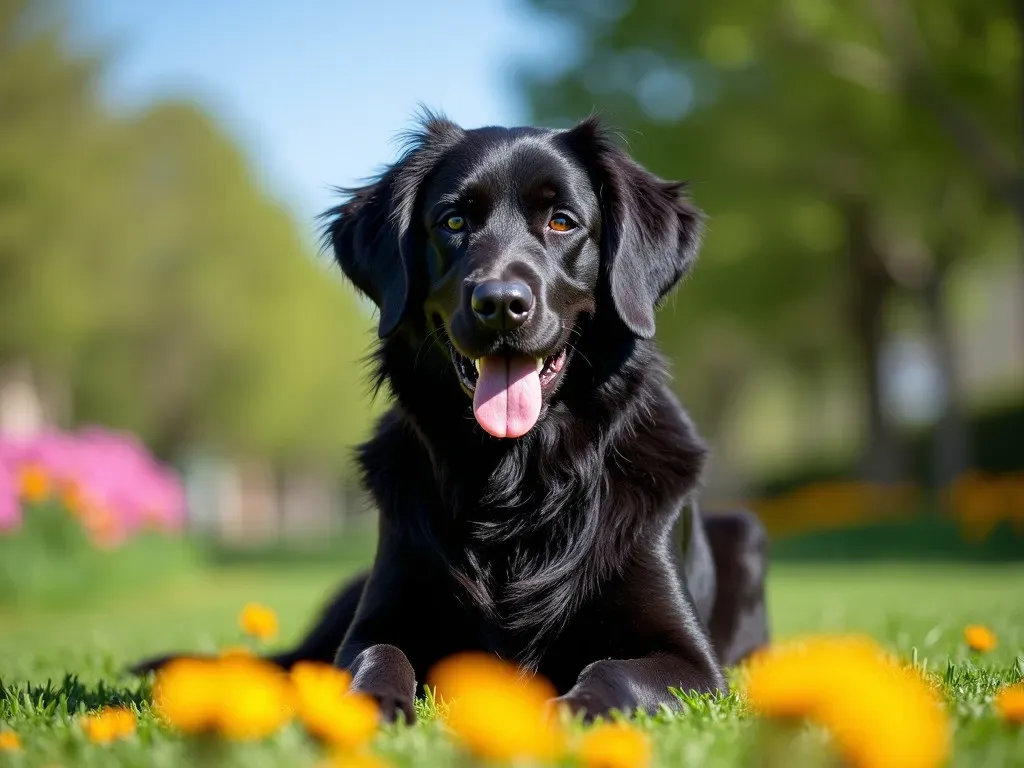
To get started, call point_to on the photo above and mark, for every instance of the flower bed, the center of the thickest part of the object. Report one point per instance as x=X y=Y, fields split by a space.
x=83 y=510
x=977 y=503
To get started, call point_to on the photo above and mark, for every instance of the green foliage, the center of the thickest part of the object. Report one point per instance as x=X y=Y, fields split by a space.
x=994 y=444
x=145 y=272
x=824 y=140
x=51 y=561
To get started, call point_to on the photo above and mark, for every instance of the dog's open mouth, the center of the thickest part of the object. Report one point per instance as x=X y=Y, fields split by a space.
x=508 y=390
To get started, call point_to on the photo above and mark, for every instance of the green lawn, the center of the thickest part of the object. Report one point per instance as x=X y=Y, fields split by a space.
x=913 y=609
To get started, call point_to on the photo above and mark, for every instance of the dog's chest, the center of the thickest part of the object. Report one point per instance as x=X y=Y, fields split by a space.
x=521 y=593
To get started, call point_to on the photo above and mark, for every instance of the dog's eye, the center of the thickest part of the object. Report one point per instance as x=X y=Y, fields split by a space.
x=455 y=223
x=561 y=223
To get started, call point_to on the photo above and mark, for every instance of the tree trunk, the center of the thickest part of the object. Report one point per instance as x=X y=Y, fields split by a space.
x=951 y=449
x=871 y=286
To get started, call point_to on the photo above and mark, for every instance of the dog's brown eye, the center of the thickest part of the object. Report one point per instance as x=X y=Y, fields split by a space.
x=561 y=223
x=454 y=223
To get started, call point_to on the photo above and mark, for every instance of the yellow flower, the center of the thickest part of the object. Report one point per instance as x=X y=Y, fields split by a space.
x=257 y=698
x=979 y=638
x=33 y=483
x=1009 y=703
x=187 y=695
x=879 y=712
x=349 y=721
x=354 y=760
x=495 y=712
x=235 y=651
x=785 y=681
x=315 y=680
x=238 y=697
x=9 y=741
x=615 y=746
x=109 y=724
x=258 y=621
x=888 y=716
x=327 y=708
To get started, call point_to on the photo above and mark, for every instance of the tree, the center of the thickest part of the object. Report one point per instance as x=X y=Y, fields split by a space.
x=144 y=269
x=49 y=123
x=786 y=118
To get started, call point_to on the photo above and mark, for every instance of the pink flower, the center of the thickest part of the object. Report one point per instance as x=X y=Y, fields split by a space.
x=107 y=479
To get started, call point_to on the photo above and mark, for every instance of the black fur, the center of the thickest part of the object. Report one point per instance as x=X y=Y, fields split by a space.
x=576 y=550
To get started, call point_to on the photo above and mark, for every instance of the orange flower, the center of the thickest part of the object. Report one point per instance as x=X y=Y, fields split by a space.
x=72 y=497
x=234 y=651
x=9 y=741
x=784 y=681
x=257 y=698
x=979 y=638
x=33 y=483
x=495 y=712
x=314 y=680
x=258 y=621
x=187 y=695
x=328 y=710
x=348 y=721
x=888 y=717
x=109 y=724
x=1009 y=703
x=615 y=746
x=354 y=760
x=238 y=697
x=879 y=713
x=103 y=526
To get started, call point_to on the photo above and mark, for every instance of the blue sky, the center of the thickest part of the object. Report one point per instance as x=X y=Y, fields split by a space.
x=316 y=90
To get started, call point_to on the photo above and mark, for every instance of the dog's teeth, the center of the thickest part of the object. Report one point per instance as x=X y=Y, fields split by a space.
x=540 y=364
x=476 y=364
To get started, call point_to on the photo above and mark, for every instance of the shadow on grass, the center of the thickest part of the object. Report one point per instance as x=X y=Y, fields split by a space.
x=69 y=697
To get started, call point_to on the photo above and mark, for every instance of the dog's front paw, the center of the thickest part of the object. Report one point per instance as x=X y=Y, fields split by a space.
x=384 y=673
x=589 y=704
x=391 y=705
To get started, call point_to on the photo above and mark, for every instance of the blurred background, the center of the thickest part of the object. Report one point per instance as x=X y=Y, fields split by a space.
x=179 y=362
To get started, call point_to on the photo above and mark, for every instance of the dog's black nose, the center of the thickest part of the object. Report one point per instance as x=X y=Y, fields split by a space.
x=501 y=304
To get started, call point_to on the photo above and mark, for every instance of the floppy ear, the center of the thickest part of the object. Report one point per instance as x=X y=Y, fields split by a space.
x=373 y=233
x=651 y=231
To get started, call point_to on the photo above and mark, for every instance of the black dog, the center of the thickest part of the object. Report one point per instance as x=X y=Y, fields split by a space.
x=536 y=478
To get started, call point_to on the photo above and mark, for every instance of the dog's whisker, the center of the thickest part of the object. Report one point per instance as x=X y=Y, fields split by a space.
x=430 y=338
x=576 y=351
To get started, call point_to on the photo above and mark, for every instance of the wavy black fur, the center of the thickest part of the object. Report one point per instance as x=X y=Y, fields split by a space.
x=576 y=551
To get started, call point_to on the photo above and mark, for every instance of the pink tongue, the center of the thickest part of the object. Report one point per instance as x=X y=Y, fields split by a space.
x=507 y=398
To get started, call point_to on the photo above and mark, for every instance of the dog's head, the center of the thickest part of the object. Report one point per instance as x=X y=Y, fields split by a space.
x=501 y=240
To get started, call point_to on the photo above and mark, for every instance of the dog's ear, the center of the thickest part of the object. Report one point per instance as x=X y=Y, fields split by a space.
x=374 y=232
x=651 y=231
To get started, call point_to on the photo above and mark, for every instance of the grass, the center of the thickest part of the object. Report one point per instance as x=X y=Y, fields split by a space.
x=55 y=664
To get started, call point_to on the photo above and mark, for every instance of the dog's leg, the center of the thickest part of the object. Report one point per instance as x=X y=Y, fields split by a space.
x=385 y=673
x=739 y=620
x=627 y=648
x=320 y=644
x=403 y=625
x=628 y=684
